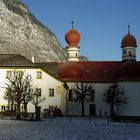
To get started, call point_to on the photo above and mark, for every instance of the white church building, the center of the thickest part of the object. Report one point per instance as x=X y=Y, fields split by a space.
x=50 y=78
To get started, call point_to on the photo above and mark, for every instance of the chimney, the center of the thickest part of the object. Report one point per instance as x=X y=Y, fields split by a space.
x=33 y=59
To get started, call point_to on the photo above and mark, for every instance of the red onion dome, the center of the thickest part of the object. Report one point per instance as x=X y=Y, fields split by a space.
x=128 y=40
x=72 y=37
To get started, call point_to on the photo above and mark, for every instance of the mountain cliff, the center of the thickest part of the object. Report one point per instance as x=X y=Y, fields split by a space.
x=22 y=33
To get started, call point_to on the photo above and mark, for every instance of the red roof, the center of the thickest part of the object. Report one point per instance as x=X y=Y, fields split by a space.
x=71 y=70
x=88 y=71
x=130 y=70
x=99 y=71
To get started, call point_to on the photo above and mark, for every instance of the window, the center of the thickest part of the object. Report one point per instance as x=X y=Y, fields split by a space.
x=39 y=74
x=20 y=73
x=38 y=92
x=92 y=96
x=3 y=108
x=124 y=52
x=8 y=74
x=70 y=95
x=51 y=92
x=130 y=54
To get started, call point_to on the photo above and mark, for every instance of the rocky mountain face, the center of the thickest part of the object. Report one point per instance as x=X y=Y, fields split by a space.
x=22 y=33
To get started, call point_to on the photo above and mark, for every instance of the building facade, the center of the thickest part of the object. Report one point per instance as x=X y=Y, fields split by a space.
x=57 y=81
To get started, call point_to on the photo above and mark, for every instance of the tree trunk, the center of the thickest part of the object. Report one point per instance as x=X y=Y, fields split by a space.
x=8 y=105
x=18 y=117
x=25 y=110
x=12 y=105
x=83 y=109
x=37 y=111
x=112 y=110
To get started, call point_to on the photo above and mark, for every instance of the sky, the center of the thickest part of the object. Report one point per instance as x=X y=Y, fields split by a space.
x=102 y=24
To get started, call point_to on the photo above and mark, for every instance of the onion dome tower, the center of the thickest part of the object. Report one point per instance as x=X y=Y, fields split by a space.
x=72 y=38
x=128 y=46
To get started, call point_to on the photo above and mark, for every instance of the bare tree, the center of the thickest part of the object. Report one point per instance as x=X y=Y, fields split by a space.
x=27 y=97
x=9 y=97
x=36 y=100
x=83 y=90
x=17 y=88
x=114 y=96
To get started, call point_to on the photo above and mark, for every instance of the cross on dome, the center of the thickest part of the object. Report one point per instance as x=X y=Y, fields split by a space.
x=72 y=22
x=128 y=28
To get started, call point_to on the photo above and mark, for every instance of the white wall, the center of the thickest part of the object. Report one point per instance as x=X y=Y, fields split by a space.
x=2 y=85
x=75 y=108
x=44 y=83
x=72 y=54
x=132 y=91
x=100 y=88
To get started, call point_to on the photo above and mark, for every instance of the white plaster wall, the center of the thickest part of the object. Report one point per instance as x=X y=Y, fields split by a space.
x=2 y=89
x=126 y=56
x=100 y=88
x=75 y=108
x=71 y=54
x=132 y=91
x=45 y=83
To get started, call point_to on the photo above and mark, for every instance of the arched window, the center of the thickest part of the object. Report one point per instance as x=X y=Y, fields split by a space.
x=130 y=54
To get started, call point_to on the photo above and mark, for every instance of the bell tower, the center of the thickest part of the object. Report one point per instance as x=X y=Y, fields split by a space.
x=128 y=46
x=72 y=38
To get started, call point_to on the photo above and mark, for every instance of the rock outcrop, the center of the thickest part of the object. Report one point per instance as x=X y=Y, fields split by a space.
x=22 y=33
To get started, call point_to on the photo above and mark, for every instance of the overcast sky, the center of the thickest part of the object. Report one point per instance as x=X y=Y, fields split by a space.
x=101 y=23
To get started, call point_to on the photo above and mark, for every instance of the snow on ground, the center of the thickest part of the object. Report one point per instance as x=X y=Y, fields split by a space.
x=62 y=129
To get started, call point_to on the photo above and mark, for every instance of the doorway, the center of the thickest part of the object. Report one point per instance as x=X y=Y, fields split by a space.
x=92 y=110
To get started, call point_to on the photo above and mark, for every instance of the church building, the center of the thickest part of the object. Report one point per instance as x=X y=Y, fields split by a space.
x=57 y=81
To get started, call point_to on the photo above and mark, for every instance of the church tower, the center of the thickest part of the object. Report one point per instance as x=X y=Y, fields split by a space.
x=72 y=38
x=128 y=46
